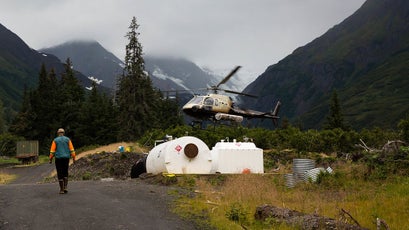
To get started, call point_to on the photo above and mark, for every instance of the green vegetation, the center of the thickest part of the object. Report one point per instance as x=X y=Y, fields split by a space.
x=6 y=178
x=2 y=121
x=140 y=106
x=367 y=183
x=93 y=117
x=8 y=144
x=331 y=141
x=8 y=160
x=335 y=119
x=232 y=205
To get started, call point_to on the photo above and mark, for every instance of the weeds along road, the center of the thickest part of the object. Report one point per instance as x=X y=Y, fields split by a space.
x=121 y=204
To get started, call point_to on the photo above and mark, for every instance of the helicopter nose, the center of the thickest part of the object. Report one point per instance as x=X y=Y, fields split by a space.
x=195 y=108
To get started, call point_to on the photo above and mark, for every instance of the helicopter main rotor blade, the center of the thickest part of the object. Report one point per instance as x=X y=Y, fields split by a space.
x=244 y=94
x=178 y=91
x=228 y=76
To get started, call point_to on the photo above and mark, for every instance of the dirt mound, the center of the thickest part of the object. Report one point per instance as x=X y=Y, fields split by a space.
x=104 y=165
x=113 y=148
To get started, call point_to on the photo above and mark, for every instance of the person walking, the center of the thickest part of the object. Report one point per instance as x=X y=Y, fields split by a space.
x=62 y=149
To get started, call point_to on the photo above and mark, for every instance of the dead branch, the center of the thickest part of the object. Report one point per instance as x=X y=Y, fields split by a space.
x=343 y=212
x=211 y=202
x=393 y=146
x=368 y=149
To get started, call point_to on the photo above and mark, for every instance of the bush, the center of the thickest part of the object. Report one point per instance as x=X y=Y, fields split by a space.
x=404 y=129
x=237 y=213
x=8 y=144
x=383 y=165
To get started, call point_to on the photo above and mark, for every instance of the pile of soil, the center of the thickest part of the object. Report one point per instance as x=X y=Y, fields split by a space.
x=104 y=165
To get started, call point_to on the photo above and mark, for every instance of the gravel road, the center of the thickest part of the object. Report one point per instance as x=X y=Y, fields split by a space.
x=118 y=204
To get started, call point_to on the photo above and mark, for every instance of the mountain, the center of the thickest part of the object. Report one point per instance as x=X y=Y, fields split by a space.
x=170 y=73
x=91 y=59
x=365 y=59
x=167 y=73
x=19 y=68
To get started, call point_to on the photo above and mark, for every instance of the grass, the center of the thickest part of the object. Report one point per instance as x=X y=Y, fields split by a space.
x=6 y=178
x=8 y=160
x=231 y=204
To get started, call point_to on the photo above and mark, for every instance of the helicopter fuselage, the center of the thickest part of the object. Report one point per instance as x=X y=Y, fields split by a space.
x=206 y=106
x=216 y=107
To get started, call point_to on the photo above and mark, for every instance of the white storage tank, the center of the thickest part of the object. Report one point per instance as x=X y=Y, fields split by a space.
x=185 y=155
x=237 y=157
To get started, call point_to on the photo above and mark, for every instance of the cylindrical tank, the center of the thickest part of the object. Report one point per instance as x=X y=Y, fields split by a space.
x=237 y=157
x=185 y=155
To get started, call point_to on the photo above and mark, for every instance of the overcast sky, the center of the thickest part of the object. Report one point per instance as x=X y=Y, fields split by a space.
x=218 y=34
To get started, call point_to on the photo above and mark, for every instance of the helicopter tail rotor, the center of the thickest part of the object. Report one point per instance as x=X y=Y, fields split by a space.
x=276 y=109
x=275 y=113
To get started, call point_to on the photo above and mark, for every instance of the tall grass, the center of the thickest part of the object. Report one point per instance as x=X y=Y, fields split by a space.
x=363 y=200
x=6 y=178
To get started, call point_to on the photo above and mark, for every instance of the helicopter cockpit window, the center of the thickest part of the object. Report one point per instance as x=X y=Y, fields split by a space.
x=196 y=100
x=208 y=101
x=216 y=102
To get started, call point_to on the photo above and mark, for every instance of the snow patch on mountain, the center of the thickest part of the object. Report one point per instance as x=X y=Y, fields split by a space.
x=157 y=72
x=94 y=79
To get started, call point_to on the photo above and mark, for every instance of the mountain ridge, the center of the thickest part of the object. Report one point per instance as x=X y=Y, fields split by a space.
x=342 y=57
x=19 y=69
x=90 y=58
x=167 y=73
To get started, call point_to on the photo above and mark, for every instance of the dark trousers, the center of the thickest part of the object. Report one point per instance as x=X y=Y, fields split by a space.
x=61 y=164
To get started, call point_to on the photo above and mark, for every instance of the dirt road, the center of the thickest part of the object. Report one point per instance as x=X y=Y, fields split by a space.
x=121 y=204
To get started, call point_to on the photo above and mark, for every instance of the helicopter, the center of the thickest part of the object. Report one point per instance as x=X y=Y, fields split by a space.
x=220 y=107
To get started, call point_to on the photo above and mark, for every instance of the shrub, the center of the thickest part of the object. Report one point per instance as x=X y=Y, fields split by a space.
x=237 y=213
x=87 y=176
x=8 y=144
x=404 y=129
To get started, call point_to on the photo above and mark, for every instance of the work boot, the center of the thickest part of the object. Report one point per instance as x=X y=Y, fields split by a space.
x=61 y=182
x=65 y=184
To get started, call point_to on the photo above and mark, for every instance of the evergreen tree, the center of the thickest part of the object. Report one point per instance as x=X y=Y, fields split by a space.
x=135 y=97
x=169 y=113
x=38 y=118
x=52 y=103
x=334 y=118
x=45 y=92
x=50 y=119
x=97 y=118
x=2 y=122
x=403 y=127
x=70 y=98
x=23 y=122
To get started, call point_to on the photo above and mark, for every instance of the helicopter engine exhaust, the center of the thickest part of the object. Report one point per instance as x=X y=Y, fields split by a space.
x=229 y=117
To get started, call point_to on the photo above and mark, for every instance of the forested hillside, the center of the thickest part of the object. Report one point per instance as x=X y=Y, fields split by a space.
x=19 y=69
x=364 y=58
